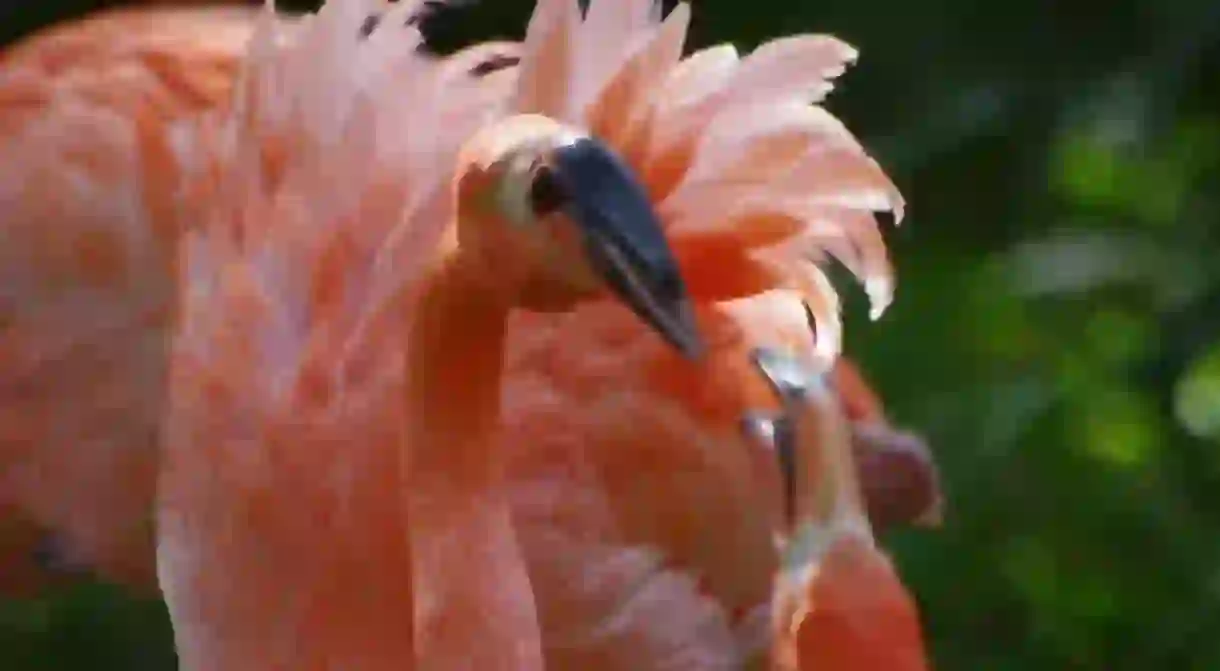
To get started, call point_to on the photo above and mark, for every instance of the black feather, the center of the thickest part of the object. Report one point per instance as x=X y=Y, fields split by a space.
x=440 y=22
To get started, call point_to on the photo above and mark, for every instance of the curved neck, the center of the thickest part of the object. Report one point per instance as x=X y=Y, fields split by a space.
x=454 y=360
x=473 y=601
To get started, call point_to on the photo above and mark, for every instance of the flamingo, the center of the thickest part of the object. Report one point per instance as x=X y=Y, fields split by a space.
x=68 y=507
x=643 y=532
x=86 y=248
x=838 y=602
x=562 y=414
x=322 y=312
x=282 y=429
x=87 y=267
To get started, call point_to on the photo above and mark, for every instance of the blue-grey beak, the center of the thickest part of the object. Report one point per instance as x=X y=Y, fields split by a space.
x=622 y=236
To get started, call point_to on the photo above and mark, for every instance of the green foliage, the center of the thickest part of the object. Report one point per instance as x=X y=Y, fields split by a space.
x=1056 y=333
x=1197 y=396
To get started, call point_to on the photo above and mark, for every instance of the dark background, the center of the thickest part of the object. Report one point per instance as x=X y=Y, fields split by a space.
x=1056 y=333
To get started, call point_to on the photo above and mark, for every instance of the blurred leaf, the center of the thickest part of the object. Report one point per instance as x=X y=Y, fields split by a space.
x=1119 y=428
x=1197 y=396
x=1072 y=263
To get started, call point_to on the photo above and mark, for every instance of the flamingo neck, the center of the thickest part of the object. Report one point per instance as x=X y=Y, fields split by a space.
x=454 y=358
x=473 y=601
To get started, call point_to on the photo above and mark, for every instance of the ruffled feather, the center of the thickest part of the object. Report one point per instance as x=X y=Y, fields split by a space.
x=332 y=156
x=86 y=255
x=736 y=152
x=314 y=198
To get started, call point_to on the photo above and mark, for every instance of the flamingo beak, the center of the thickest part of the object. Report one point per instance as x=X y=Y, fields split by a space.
x=624 y=240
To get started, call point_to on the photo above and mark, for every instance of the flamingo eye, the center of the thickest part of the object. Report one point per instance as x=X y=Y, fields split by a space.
x=546 y=194
x=529 y=191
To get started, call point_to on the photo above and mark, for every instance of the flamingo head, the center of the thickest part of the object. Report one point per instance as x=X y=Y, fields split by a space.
x=558 y=217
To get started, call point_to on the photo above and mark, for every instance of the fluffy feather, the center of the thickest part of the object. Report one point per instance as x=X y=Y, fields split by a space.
x=317 y=194
x=755 y=185
x=736 y=151
x=86 y=247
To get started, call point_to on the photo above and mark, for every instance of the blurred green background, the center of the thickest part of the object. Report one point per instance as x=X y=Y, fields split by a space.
x=1056 y=334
